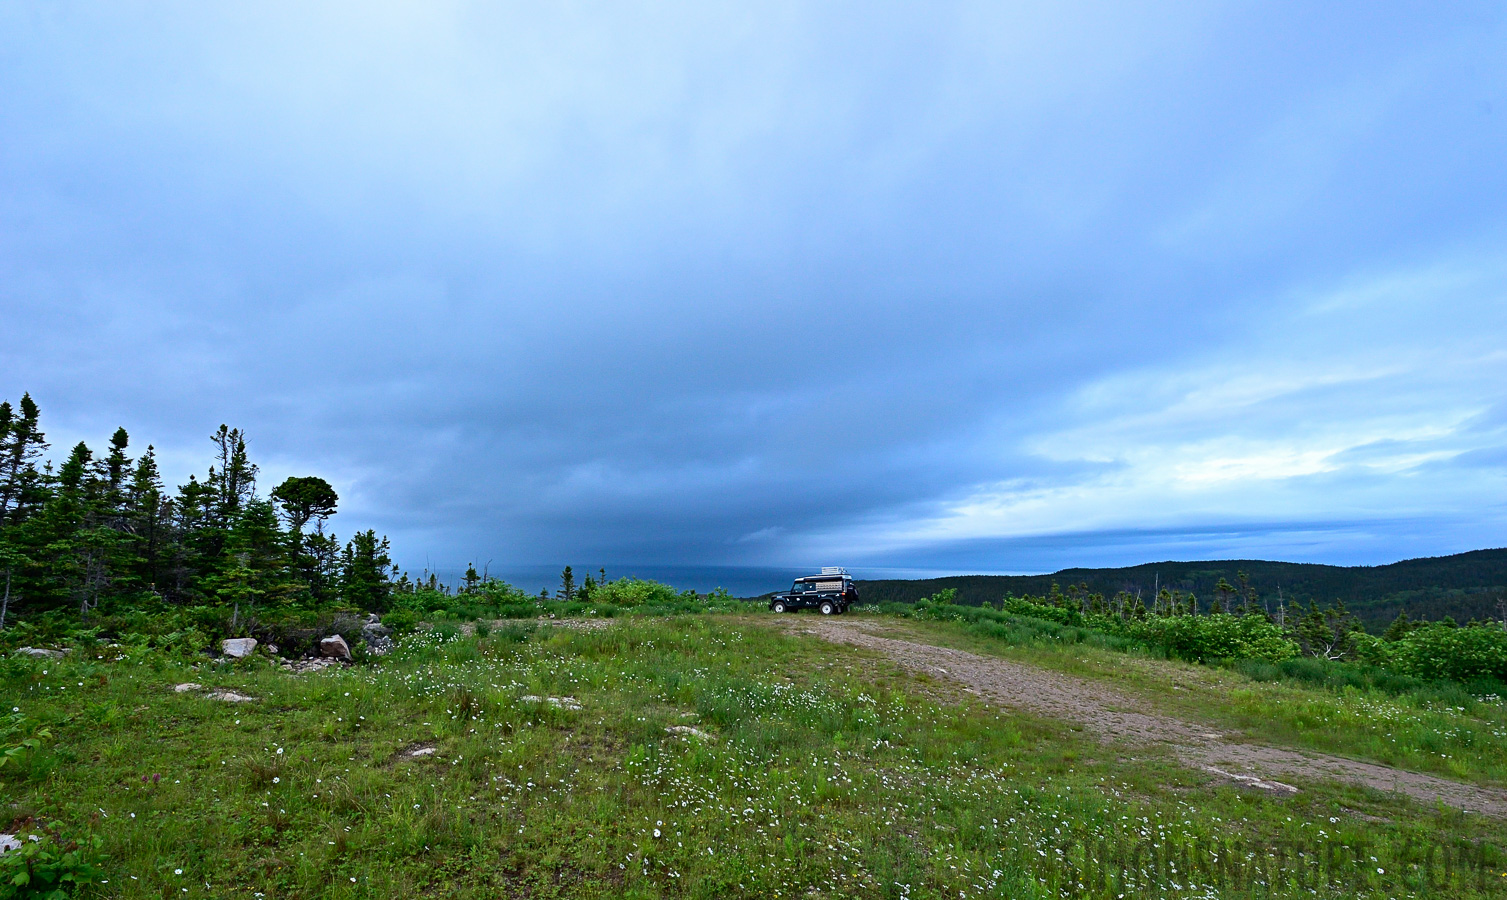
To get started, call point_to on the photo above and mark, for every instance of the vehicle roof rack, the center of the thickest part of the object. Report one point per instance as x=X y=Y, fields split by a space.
x=834 y=570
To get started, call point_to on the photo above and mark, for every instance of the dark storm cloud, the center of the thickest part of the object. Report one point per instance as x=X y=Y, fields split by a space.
x=921 y=285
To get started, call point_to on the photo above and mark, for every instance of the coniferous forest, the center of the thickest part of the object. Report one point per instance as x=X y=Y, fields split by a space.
x=101 y=534
x=99 y=546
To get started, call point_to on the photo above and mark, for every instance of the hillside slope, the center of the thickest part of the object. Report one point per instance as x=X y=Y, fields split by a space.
x=1465 y=585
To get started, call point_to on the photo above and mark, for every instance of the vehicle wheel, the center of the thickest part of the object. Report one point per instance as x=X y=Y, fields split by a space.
x=828 y=607
x=778 y=607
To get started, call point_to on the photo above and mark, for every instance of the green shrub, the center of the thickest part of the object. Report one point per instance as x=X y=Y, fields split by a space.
x=401 y=620
x=18 y=737
x=1061 y=615
x=1441 y=650
x=636 y=592
x=1217 y=636
x=50 y=868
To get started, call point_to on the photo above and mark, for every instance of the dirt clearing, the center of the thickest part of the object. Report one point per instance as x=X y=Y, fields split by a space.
x=1115 y=717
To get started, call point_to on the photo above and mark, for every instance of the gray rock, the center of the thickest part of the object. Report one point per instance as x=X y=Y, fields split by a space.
x=687 y=731
x=377 y=637
x=304 y=666
x=335 y=647
x=230 y=697
x=9 y=842
x=39 y=653
x=238 y=648
x=186 y=687
x=570 y=703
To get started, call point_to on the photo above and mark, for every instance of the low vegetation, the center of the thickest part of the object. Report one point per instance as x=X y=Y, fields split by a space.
x=691 y=756
x=1352 y=708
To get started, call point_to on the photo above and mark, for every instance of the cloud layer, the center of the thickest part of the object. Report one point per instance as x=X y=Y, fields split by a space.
x=947 y=286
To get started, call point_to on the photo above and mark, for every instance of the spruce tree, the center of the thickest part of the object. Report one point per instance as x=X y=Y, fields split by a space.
x=21 y=444
x=365 y=567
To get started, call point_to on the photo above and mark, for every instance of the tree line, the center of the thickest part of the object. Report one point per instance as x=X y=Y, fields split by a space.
x=1463 y=586
x=101 y=531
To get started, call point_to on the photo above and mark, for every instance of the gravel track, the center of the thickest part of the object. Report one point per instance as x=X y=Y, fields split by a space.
x=1116 y=717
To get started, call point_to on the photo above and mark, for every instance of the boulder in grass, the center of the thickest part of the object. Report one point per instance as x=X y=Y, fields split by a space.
x=230 y=697
x=687 y=731
x=377 y=637
x=40 y=653
x=335 y=647
x=238 y=648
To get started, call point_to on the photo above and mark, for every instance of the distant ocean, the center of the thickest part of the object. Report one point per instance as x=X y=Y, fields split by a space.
x=740 y=581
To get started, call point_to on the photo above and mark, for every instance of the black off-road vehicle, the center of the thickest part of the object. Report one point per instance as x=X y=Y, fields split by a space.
x=832 y=592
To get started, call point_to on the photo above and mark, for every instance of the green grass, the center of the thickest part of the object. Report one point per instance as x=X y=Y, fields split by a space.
x=829 y=772
x=1439 y=728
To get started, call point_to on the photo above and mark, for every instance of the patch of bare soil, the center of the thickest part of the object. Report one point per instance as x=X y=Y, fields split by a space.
x=1116 y=717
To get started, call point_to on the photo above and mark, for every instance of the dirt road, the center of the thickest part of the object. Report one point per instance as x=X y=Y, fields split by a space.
x=1116 y=717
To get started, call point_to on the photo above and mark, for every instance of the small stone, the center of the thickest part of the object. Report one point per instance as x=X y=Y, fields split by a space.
x=185 y=687
x=9 y=842
x=688 y=731
x=40 y=653
x=304 y=666
x=230 y=697
x=422 y=751
x=238 y=648
x=335 y=647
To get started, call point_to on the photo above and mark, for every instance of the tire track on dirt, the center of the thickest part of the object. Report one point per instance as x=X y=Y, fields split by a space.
x=1116 y=717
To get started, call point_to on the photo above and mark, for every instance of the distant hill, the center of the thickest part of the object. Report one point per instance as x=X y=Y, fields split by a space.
x=1465 y=586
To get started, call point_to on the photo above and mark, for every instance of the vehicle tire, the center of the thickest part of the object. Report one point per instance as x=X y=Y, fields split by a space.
x=828 y=607
x=778 y=606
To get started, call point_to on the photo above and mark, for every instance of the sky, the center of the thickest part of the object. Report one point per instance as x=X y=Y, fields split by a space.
x=999 y=287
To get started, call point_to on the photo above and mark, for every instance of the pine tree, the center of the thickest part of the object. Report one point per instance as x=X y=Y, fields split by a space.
x=117 y=462
x=1222 y=594
x=305 y=499
x=235 y=483
x=364 y=576
x=567 y=585
x=149 y=514
x=1399 y=628
x=21 y=444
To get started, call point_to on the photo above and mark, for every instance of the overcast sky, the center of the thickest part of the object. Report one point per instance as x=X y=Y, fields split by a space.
x=994 y=286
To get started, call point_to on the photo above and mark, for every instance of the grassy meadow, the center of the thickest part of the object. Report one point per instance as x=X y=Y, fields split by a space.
x=531 y=760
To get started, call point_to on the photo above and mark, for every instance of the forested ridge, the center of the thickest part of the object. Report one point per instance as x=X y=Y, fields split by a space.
x=1463 y=586
x=101 y=532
